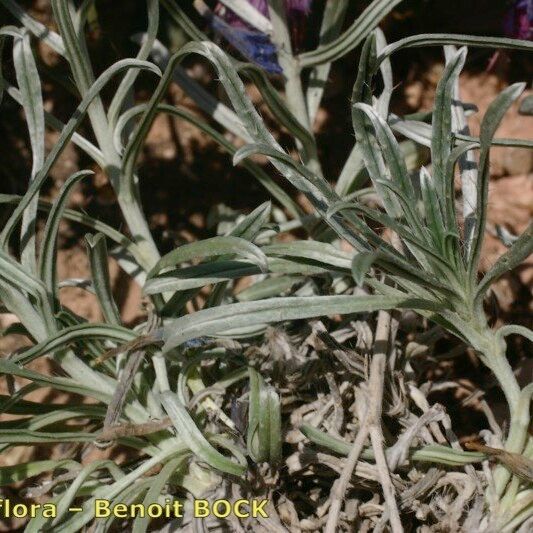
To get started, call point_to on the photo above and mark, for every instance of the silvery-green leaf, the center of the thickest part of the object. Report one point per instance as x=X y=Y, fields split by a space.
x=219 y=271
x=65 y=136
x=250 y=226
x=420 y=132
x=352 y=174
x=520 y=250
x=183 y=21
x=141 y=523
x=192 y=436
x=467 y=162
x=214 y=320
x=22 y=471
x=432 y=255
x=264 y=179
x=394 y=161
x=37 y=28
x=71 y=334
x=352 y=36
x=361 y=264
x=47 y=259
x=58 y=383
x=277 y=106
x=51 y=121
x=152 y=8
x=79 y=519
x=32 y=103
x=268 y=288
x=213 y=247
x=332 y=21
x=217 y=110
x=514 y=329
x=489 y=124
x=441 y=138
x=13 y=275
x=199 y=275
x=98 y=260
x=434 y=453
x=319 y=252
x=439 y=39
x=263 y=436
x=68 y=496
x=81 y=218
x=432 y=208
x=386 y=73
x=368 y=144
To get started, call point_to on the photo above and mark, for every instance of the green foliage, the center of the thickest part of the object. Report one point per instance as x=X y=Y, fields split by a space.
x=432 y=268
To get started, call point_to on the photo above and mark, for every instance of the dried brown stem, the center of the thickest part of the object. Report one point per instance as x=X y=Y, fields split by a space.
x=370 y=426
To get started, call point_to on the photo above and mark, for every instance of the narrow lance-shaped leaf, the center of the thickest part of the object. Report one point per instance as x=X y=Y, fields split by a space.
x=300 y=176
x=521 y=249
x=58 y=383
x=51 y=121
x=467 y=165
x=386 y=73
x=68 y=496
x=192 y=436
x=277 y=106
x=215 y=320
x=141 y=523
x=22 y=471
x=250 y=226
x=217 y=110
x=395 y=162
x=434 y=453
x=454 y=252
x=183 y=21
x=13 y=276
x=420 y=132
x=264 y=179
x=263 y=438
x=440 y=39
x=108 y=491
x=83 y=219
x=77 y=333
x=369 y=147
x=37 y=28
x=268 y=288
x=332 y=21
x=490 y=123
x=98 y=259
x=432 y=209
x=152 y=7
x=75 y=47
x=213 y=247
x=47 y=259
x=319 y=252
x=361 y=264
x=66 y=135
x=441 y=138
x=352 y=36
x=32 y=103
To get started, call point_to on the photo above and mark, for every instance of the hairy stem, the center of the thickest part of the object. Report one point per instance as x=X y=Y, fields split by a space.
x=293 y=81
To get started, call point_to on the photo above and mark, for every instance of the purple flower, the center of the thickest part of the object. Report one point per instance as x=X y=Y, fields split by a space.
x=518 y=21
x=253 y=44
x=294 y=8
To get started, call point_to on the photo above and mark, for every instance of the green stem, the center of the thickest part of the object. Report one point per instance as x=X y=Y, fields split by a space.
x=494 y=357
x=293 y=81
x=516 y=440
